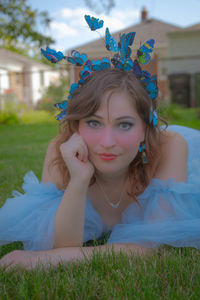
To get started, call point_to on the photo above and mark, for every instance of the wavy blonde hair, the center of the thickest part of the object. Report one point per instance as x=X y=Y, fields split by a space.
x=86 y=101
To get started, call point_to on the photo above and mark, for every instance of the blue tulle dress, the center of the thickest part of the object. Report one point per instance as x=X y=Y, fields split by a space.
x=169 y=212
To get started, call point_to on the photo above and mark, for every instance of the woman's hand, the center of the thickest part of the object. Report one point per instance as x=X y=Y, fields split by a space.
x=75 y=154
x=27 y=260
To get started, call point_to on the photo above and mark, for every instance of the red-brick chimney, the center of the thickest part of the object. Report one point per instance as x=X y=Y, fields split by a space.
x=144 y=14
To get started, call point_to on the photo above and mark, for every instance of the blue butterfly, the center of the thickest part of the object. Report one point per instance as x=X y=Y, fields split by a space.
x=122 y=63
x=137 y=69
x=126 y=40
x=153 y=117
x=77 y=58
x=52 y=55
x=62 y=105
x=93 y=23
x=111 y=43
x=73 y=87
x=61 y=115
x=100 y=64
x=143 y=52
x=84 y=75
x=150 y=84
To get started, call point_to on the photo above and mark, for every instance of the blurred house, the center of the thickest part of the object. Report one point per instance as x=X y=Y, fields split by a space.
x=146 y=29
x=23 y=79
x=183 y=65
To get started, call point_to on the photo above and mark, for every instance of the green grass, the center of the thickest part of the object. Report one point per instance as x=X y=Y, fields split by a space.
x=175 y=114
x=171 y=273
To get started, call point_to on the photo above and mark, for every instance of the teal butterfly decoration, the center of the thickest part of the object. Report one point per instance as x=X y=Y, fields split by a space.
x=153 y=117
x=73 y=87
x=111 y=43
x=143 y=52
x=100 y=64
x=77 y=58
x=137 y=69
x=122 y=63
x=150 y=84
x=126 y=40
x=52 y=55
x=62 y=105
x=93 y=23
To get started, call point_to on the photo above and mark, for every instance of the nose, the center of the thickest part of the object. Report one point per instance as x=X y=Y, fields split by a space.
x=107 y=138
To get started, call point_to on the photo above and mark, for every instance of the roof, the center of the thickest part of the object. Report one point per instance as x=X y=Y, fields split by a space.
x=195 y=27
x=8 y=57
x=150 y=28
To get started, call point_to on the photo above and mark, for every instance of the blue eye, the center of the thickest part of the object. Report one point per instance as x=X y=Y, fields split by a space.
x=127 y=126
x=92 y=123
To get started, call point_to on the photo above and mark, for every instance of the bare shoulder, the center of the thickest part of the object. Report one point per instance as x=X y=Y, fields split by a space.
x=170 y=140
x=51 y=174
x=174 y=154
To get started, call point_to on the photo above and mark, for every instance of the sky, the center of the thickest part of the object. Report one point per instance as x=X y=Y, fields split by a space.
x=69 y=29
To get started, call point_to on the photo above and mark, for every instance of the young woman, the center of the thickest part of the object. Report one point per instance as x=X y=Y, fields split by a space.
x=110 y=170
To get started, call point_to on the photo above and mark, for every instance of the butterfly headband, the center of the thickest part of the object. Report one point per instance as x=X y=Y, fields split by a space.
x=121 y=60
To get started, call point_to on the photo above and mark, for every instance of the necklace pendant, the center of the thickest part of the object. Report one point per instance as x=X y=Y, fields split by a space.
x=114 y=205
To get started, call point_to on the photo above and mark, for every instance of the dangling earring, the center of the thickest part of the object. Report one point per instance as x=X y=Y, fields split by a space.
x=142 y=149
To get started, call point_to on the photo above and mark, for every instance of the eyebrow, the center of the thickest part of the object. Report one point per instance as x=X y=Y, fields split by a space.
x=123 y=117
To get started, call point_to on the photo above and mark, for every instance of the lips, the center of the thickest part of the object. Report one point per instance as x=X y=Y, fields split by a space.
x=107 y=156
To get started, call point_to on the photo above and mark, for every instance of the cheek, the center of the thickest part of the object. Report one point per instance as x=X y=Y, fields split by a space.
x=131 y=140
x=89 y=137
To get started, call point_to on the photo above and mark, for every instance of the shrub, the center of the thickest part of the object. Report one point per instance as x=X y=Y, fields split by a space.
x=53 y=94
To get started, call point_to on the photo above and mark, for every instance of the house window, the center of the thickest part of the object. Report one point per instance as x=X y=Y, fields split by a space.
x=41 y=78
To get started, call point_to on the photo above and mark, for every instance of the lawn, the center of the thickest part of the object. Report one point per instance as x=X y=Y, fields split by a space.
x=171 y=273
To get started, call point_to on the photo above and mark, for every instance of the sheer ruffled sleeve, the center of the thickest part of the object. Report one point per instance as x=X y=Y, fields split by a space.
x=169 y=214
x=29 y=217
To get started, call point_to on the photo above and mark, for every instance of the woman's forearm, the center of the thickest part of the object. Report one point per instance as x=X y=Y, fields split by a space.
x=70 y=216
x=62 y=255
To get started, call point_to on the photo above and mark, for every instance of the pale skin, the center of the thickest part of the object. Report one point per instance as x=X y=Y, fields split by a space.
x=116 y=128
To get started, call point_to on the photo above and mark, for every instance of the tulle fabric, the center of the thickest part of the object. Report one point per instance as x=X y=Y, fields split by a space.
x=169 y=214
x=29 y=217
x=169 y=211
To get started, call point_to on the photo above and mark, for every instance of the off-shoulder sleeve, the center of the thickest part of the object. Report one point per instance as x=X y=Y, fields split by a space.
x=29 y=217
x=169 y=214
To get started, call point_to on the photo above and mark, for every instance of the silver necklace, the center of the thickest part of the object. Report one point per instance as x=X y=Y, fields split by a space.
x=107 y=198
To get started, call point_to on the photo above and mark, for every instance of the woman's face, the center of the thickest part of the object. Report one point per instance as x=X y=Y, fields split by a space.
x=115 y=128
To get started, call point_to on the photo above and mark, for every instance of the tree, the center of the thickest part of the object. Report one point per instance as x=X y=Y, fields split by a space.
x=99 y=6
x=19 y=23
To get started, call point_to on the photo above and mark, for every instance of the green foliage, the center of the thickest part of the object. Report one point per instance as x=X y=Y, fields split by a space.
x=27 y=116
x=176 y=114
x=9 y=118
x=19 y=22
x=55 y=93
x=40 y=116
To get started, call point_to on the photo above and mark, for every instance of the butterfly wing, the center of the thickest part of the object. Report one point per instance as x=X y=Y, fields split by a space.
x=62 y=105
x=137 y=69
x=93 y=23
x=128 y=64
x=76 y=58
x=61 y=115
x=52 y=55
x=111 y=43
x=126 y=40
x=96 y=66
x=143 y=52
x=105 y=63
